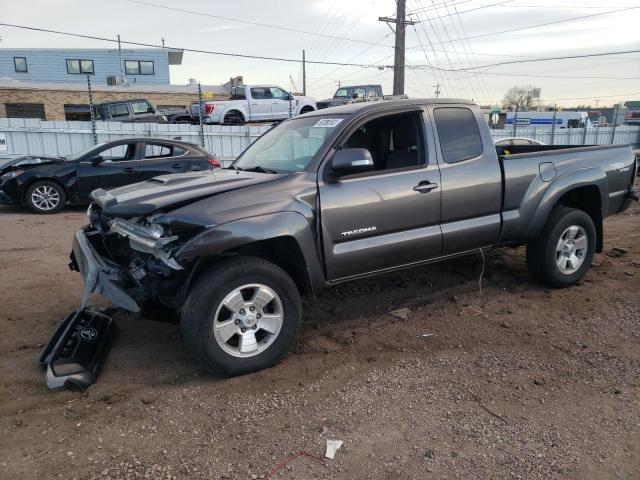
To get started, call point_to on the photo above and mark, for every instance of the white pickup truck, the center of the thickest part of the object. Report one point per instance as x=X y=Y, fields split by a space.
x=253 y=103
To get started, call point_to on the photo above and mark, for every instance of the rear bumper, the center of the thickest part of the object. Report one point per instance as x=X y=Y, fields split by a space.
x=100 y=275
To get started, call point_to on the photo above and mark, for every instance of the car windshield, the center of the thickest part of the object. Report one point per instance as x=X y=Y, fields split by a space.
x=78 y=155
x=290 y=146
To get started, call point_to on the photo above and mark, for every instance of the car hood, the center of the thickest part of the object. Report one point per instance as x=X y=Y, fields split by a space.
x=28 y=161
x=159 y=193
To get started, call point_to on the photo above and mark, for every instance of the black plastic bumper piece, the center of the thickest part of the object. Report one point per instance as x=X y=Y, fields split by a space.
x=77 y=349
x=6 y=199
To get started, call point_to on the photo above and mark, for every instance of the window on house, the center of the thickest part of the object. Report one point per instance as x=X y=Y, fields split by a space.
x=77 y=66
x=76 y=112
x=25 y=110
x=139 y=67
x=20 y=64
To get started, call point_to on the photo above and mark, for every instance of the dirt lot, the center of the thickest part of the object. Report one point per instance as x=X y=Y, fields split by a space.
x=516 y=381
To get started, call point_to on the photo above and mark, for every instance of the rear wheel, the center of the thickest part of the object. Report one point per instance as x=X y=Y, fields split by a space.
x=242 y=315
x=233 y=118
x=562 y=254
x=45 y=196
x=306 y=110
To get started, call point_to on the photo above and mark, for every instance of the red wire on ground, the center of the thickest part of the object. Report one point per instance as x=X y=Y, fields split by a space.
x=291 y=459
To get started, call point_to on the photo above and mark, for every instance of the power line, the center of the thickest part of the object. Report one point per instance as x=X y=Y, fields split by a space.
x=193 y=50
x=555 y=22
x=542 y=59
x=248 y=22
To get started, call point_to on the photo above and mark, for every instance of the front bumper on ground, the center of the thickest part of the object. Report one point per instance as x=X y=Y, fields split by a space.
x=100 y=275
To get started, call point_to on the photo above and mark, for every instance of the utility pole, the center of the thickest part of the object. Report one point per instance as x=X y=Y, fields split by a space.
x=338 y=82
x=120 y=55
x=398 y=61
x=304 y=75
x=437 y=89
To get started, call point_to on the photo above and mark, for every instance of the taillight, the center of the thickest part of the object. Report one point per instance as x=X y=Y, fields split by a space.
x=208 y=108
x=214 y=162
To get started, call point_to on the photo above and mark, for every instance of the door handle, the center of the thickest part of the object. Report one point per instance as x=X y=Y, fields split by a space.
x=425 y=187
x=128 y=170
x=176 y=165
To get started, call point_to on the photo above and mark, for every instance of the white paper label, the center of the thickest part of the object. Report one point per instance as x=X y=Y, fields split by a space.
x=327 y=122
x=3 y=142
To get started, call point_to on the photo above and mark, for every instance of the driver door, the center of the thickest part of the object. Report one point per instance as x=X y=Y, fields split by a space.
x=114 y=166
x=388 y=217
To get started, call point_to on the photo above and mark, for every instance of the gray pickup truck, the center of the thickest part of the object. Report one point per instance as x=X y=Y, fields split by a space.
x=333 y=196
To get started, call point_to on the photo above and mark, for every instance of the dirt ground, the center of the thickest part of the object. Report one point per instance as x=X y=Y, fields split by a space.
x=513 y=381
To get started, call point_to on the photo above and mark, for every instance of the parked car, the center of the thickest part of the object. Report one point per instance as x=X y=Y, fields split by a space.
x=504 y=142
x=45 y=184
x=357 y=93
x=253 y=103
x=138 y=110
x=333 y=196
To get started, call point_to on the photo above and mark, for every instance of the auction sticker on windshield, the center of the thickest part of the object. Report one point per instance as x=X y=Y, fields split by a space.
x=327 y=122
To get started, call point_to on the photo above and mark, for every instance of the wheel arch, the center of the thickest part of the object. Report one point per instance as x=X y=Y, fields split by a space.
x=585 y=189
x=233 y=109
x=33 y=180
x=284 y=238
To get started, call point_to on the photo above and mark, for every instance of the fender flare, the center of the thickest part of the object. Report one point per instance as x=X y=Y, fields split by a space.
x=228 y=236
x=305 y=104
x=231 y=108
x=584 y=177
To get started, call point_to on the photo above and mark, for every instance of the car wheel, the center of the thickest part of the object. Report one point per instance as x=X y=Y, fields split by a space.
x=45 y=197
x=562 y=254
x=241 y=315
x=306 y=110
x=233 y=118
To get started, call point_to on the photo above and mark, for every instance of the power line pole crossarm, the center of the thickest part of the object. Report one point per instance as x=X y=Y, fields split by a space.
x=398 y=61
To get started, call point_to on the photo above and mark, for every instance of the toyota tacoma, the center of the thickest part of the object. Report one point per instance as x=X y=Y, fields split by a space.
x=336 y=195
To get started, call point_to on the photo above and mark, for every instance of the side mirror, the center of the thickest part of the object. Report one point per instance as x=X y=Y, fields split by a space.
x=97 y=159
x=351 y=160
x=354 y=95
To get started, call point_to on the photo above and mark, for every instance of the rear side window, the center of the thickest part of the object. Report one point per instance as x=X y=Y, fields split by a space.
x=237 y=93
x=459 y=134
x=119 y=110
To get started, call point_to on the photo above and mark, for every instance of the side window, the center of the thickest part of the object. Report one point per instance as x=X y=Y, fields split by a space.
x=119 y=110
x=260 y=93
x=372 y=92
x=458 y=133
x=157 y=151
x=141 y=107
x=359 y=91
x=279 y=94
x=119 y=153
x=394 y=141
x=237 y=93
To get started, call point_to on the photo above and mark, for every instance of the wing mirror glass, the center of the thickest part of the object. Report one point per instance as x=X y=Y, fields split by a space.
x=351 y=160
x=354 y=95
x=97 y=159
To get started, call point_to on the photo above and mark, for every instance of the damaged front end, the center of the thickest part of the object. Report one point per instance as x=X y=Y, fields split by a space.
x=130 y=261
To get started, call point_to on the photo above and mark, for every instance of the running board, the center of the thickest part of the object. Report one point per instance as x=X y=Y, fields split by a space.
x=77 y=349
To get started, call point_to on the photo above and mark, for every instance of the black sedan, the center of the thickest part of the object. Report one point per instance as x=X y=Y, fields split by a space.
x=45 y=184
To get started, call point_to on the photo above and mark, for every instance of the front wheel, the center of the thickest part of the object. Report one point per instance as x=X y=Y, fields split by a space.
x=242 y=315
x=45 y=196
x=562 y=254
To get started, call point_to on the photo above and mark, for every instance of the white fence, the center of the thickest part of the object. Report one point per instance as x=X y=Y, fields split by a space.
x=37 y=137
x=618 y=135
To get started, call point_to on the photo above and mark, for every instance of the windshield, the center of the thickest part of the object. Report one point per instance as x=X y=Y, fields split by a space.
x=290 y=146
x=342 y=92
x=76 y=156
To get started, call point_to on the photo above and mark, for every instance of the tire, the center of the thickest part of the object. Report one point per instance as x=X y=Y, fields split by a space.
x=206 y=320
x=45 y=196
x=551 y=261
x=233 y=118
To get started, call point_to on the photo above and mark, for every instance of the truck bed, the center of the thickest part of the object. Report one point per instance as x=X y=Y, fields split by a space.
x=533 y=172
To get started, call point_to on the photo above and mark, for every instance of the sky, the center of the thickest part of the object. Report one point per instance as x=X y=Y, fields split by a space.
x=450 y=35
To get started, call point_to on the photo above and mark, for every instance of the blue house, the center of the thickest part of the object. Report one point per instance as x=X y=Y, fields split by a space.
x=106 y=66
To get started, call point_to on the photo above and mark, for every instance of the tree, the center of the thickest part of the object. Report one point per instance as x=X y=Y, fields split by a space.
x=518 y=98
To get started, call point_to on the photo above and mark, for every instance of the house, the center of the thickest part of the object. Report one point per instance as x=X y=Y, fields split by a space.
x=103 y=66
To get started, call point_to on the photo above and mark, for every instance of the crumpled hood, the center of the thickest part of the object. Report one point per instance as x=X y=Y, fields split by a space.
x=28 y=161
x=144 y=198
